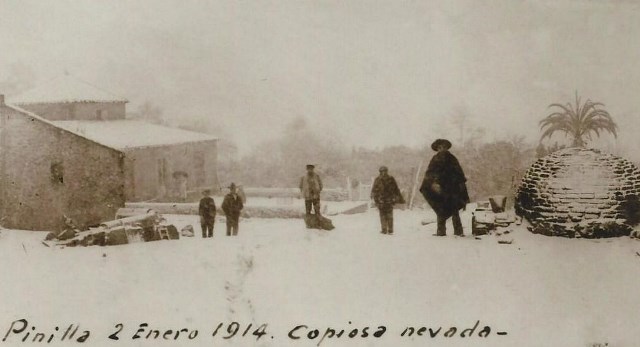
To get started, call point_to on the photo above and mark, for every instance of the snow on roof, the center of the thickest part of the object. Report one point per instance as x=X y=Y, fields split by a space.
x=50 y=123
x=123 y=134
x=65 y=89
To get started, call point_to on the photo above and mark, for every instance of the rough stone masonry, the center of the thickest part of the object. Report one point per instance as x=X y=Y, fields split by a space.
x=580 y=192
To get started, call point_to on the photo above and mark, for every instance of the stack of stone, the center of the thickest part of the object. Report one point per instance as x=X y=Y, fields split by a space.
x=580 y=192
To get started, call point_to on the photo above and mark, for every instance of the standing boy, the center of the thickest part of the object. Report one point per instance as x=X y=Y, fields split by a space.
x=385 y=193
x=207 y=211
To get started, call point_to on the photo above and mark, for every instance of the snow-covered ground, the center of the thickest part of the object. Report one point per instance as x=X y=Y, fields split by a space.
x=542 y=291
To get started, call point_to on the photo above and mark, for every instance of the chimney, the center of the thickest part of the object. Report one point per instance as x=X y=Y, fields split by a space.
x=1 y=99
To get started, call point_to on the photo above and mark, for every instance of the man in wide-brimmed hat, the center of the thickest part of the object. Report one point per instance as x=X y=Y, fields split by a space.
x=232 y=206
x=310 y=188
x=444 y=187
x=385 y=193
x=207 y=211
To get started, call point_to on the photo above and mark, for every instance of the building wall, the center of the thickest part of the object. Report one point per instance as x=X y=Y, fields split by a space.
x=46 y=172
x=78 y=110
x=149 y=170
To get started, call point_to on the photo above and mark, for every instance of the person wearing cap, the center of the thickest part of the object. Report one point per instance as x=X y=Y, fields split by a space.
x=207 y=211
x=444 y=187
x=385 y=193
x=232 y=205
x=310 y=188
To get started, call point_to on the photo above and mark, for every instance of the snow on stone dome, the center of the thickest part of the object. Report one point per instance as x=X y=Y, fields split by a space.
x=580 y=192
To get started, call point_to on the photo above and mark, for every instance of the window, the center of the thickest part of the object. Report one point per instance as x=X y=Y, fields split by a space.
x=57 y=173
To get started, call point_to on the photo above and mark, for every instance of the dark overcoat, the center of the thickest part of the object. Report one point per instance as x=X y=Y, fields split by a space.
x=445 y=170
x=207 y=209
x=232 y=205
x=385 y=191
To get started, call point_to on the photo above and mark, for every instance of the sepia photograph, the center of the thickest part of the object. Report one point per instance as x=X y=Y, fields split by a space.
x=320 y=173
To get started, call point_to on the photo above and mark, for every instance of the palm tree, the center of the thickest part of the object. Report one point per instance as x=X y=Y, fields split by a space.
x=578 y=121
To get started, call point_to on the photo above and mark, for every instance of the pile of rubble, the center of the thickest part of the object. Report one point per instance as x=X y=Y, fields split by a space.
x=130 y=226
x=491 y=215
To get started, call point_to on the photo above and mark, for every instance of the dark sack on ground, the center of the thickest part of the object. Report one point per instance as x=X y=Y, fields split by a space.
x=318 y=222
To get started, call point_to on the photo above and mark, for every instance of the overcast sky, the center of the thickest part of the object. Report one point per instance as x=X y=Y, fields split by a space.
x=371 y=73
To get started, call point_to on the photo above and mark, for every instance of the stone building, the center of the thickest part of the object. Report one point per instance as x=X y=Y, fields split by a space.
x=580 y=192
x=156 y=158
x=67 y=149
x=159 y=161
x=48 y=172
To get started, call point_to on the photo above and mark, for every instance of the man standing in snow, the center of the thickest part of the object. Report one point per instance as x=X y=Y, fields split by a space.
x=444 y=187
x=385 y=193
x=207 y=211
x=310 y=187
x=232 y=205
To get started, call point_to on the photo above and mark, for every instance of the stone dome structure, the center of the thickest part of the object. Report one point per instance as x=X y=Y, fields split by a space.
x=580 y=192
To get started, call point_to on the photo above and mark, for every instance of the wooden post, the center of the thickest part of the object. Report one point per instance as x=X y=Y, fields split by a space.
x=409 y=186
x=3 y=156
x=415 y=185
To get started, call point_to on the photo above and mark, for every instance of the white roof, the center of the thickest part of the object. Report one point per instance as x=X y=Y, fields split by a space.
x=65 y=89
x=46 y=121
x=123 y=134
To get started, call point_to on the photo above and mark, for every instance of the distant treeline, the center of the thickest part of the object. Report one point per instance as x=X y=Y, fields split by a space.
x=491 y=168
